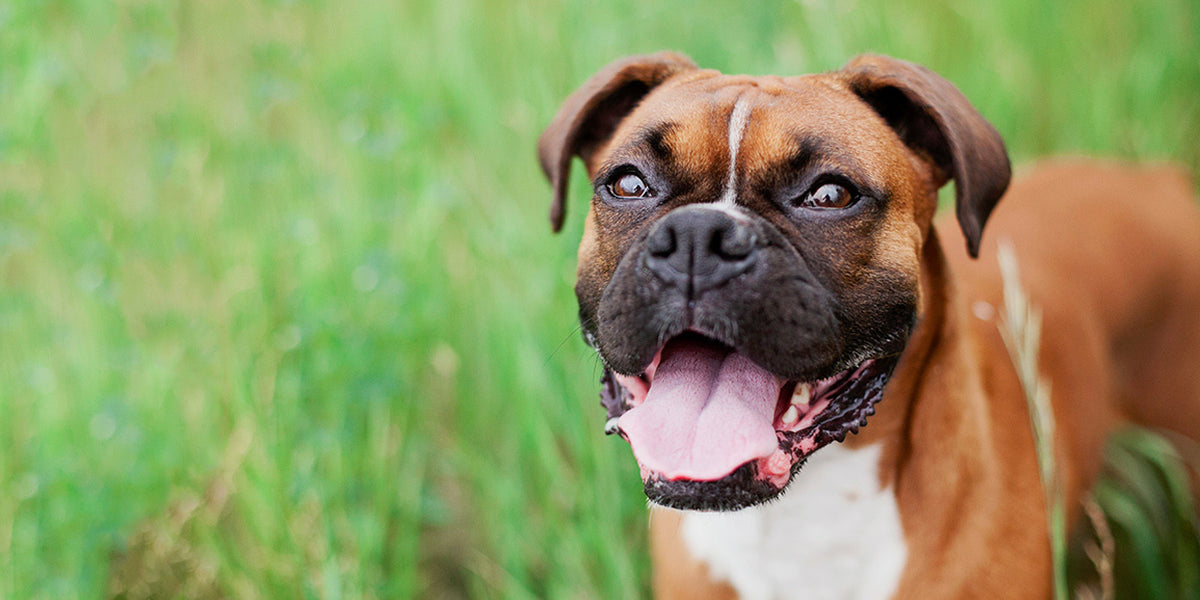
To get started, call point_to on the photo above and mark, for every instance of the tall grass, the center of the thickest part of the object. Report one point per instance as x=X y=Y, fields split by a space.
x=280 y=313
x=1149 y=521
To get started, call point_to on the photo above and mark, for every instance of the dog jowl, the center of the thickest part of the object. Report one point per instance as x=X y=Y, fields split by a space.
x=750 y=266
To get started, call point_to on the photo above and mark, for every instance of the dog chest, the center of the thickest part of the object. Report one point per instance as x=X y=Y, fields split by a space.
x=833 y=534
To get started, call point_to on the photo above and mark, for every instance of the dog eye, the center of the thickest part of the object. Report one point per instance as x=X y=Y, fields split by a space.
x=828 y=196
x=630 y=185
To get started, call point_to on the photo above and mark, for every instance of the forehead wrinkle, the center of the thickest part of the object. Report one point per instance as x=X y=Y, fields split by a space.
x=656 y=138
x=814 y=151
x=701 y=130
x=809 y=150
x=806 y=129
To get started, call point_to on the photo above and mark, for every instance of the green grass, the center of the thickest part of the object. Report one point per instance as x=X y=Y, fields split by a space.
x=280 y=312
x=1150 y=524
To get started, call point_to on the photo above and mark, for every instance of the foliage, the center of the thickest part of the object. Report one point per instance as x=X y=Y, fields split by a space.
x=280 y=308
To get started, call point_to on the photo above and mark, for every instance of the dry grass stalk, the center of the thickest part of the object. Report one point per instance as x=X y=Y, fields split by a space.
x=1021 y=328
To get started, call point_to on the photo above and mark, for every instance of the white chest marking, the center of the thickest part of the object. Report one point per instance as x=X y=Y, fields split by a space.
x=737 y=127
x=833 y=534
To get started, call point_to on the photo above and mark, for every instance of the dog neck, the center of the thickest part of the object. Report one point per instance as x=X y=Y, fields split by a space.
x=891 y=426
x=950 y=469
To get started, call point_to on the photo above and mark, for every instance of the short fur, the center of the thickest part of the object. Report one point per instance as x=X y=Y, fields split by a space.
x=1109 y=253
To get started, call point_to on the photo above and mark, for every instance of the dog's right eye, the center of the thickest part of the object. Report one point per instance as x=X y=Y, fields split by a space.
x=629 y=186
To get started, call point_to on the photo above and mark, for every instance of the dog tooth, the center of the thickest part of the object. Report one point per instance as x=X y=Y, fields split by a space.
x=610 y=426
x=803 y=395
x=791 y=415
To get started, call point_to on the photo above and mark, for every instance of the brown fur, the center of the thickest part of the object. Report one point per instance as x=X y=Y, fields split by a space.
x=1109 y=253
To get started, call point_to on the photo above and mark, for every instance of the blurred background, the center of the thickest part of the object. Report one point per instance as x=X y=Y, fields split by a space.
x=281 y=314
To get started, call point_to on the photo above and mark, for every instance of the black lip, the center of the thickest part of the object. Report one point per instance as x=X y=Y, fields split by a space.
x=613 y=397
x=740 y=489
x=854 y=400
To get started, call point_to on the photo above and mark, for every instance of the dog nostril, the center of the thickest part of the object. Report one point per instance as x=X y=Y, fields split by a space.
x=733 y=243
x=661 y=243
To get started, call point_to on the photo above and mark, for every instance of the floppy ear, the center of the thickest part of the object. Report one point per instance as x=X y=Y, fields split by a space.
x=590 y=116
x=934 y=119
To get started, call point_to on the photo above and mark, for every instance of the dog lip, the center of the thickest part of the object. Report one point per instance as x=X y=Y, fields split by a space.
x=647 y=371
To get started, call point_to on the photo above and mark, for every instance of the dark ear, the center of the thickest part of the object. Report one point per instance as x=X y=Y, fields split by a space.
x=935 y=120
x=590 y=116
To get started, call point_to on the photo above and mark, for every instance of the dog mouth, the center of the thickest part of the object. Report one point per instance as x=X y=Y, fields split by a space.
x=712 y=430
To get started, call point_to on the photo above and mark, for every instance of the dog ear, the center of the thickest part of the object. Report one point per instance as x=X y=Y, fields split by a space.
x=590 y=116
x=934 y=119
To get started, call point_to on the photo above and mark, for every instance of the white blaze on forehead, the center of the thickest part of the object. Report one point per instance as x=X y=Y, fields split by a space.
x=737 y=127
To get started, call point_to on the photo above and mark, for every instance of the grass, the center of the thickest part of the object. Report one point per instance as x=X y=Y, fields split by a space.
x=1150 y=514
x=280 y=312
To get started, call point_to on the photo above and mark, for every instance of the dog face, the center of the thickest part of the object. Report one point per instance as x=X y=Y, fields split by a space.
x=750 y=266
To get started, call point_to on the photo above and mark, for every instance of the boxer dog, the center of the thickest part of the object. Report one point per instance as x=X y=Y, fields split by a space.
x=761 y=274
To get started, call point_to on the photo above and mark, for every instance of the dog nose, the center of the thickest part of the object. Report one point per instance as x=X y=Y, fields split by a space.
x=697 y=249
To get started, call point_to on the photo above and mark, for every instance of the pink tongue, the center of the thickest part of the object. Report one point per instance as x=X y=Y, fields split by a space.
x=708 y=412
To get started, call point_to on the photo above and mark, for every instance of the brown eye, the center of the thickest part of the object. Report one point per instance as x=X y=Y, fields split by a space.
x=630 y=186
x=828 y=196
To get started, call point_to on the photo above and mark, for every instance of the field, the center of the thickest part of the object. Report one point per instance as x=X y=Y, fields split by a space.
x=281 y=315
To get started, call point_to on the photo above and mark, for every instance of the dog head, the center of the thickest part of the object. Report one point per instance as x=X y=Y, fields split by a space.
x=750 y=267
